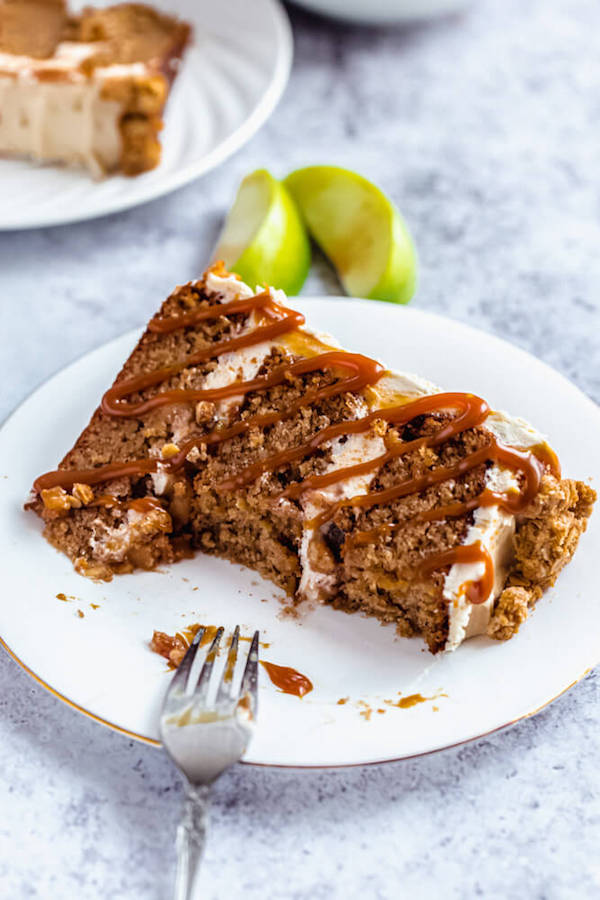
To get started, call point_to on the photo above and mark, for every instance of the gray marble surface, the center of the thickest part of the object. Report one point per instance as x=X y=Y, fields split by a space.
x=484 y=129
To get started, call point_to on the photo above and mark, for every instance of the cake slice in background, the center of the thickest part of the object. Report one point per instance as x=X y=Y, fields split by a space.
x=86 y=90
x=234 y=430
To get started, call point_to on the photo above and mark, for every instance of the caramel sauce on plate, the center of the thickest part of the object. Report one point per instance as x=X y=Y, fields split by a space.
x=413 y=700
x=289 y=681
x=354 y=373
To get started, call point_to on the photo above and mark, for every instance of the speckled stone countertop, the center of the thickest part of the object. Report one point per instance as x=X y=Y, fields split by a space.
x=484 y=129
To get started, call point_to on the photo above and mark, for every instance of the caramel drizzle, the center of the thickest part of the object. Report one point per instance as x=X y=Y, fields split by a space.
x=513 y=501
x=475 y=591
x=362 y=372
x=282 y=320
x=472 y=411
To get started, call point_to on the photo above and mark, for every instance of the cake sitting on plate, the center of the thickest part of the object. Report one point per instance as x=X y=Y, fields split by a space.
x=235 y=430
x=88 y=89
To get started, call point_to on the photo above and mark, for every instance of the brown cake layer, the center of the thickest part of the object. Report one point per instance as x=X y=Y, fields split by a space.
x=125 y=34
x=49 y=20
x=225 y=497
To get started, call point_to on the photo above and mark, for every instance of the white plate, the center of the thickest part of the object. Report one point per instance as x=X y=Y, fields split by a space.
x=380 y=12
x=231 y=79
x=102 y=663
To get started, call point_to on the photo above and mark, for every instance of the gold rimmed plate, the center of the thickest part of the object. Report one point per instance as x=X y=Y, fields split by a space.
x=100 y=661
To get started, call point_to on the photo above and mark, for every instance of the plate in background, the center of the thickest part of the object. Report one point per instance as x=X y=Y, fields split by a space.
x=102 y=664
x=229 y=83
x=381 y=12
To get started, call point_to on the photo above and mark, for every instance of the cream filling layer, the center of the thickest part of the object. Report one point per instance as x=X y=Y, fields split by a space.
x=314 y=583
x=51 y=111
x=494 y=529
x=241 y=365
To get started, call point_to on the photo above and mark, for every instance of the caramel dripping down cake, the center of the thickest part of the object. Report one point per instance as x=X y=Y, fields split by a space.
x=88 y=89
x=234 y=430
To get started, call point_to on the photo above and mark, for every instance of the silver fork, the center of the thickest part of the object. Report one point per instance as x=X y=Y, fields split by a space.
x=204 y=735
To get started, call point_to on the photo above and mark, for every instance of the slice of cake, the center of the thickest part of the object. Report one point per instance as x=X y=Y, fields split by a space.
x=86 y=90
x=235 y=430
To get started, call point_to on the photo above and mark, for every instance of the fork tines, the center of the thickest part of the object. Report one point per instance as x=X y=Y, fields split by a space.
x=225 y=692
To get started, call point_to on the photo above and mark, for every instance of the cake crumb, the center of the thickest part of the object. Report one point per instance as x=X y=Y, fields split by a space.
x=289 y=612
x=366 y=711
x=511 y=611
x=80 y=613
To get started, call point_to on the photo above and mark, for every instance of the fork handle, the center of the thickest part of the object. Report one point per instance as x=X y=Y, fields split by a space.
x=191 y=839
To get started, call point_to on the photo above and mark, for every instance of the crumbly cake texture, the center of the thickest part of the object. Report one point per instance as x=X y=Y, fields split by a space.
x=18 y=37
x=130 y=52
x=144 y=521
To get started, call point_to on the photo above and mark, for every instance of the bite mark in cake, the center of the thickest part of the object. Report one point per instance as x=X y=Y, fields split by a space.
x=261 y=441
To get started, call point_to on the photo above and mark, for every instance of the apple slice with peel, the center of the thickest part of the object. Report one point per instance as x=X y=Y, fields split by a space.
x=264 y=240
x=359 y=229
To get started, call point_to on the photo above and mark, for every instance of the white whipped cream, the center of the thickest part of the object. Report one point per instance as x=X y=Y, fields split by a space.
x=161 y=482
x=229 y=286
x=494 y=529
x=243 y=364
x=110 y=544
x=64 y=120
x=357 y=448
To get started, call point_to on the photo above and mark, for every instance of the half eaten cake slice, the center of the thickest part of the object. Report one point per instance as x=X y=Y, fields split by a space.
x=235 y=430
x=86 y=90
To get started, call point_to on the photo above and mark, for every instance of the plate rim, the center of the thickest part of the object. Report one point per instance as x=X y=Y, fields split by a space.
x=133 y=333
x=284 y=45
x=383 y=18
x=157 y=745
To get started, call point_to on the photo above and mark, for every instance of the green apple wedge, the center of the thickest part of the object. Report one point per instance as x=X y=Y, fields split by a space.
x=264 y=239
x=359 y=229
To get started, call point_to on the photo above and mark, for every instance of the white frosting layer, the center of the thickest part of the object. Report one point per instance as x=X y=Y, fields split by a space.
x=62 y=119
x=356 y=449
x=111 y=544
x=492 y=527
x=229 y=286
x=243 y=364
